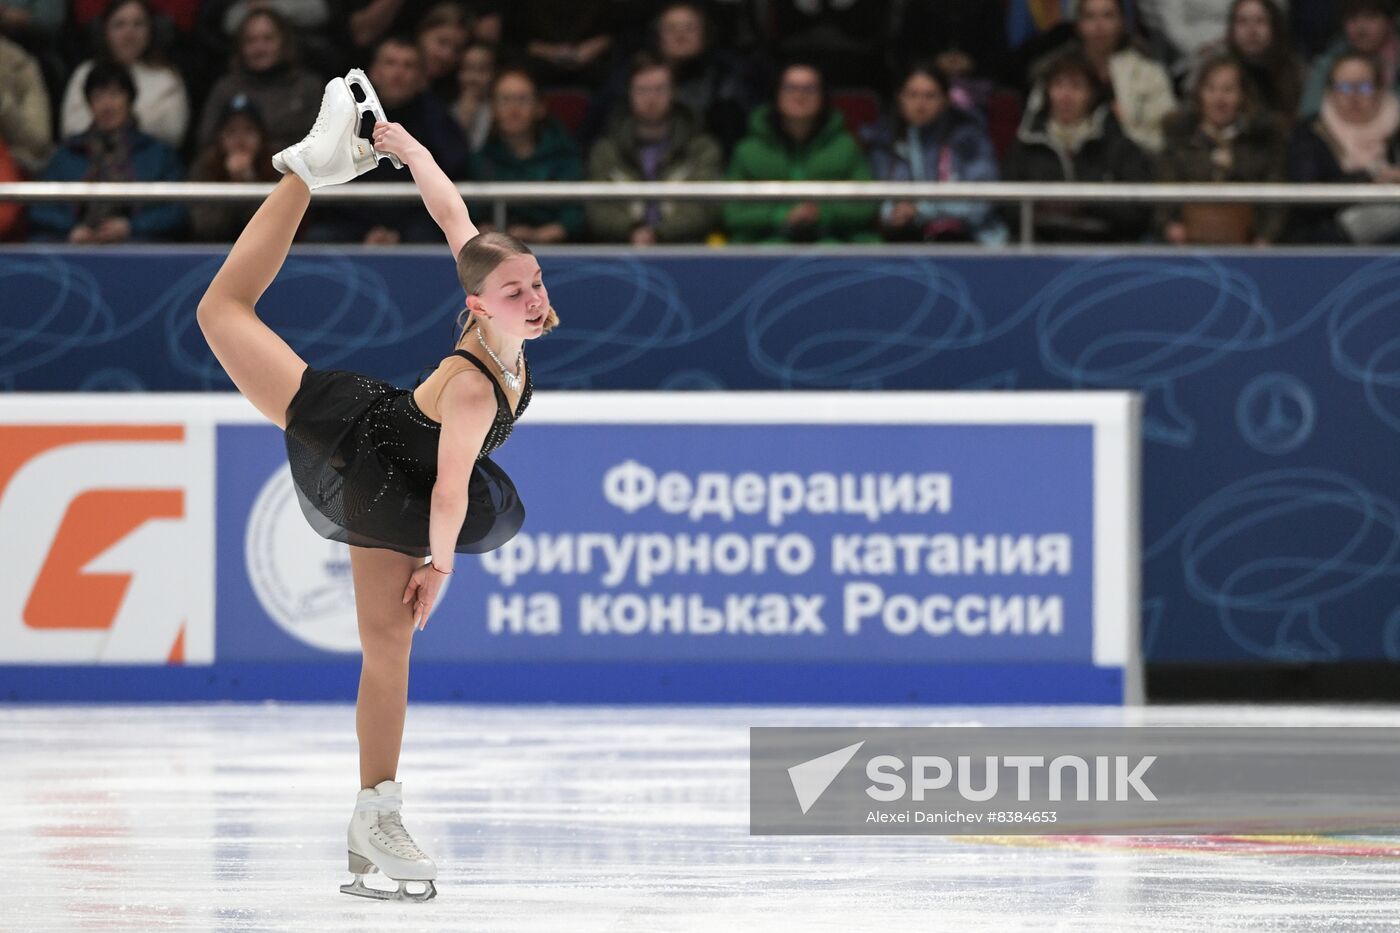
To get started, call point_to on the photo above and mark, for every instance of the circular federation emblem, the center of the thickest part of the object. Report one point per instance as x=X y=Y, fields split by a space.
x=302 y=580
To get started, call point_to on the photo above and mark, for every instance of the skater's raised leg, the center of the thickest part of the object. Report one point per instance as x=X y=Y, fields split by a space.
x=261 y=365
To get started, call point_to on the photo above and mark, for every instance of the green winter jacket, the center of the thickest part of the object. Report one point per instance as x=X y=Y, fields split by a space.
x=556 y=158
x=830 y=155
x=690 y=156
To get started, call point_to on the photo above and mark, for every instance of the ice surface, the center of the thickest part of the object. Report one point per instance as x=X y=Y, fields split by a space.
x=232 y=817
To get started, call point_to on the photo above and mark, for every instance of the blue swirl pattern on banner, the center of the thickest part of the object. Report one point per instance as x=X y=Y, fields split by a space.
x=1272 y=380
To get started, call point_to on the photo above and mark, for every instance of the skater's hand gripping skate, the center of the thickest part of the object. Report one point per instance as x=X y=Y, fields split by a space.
x=391 y=139
x=422 y=593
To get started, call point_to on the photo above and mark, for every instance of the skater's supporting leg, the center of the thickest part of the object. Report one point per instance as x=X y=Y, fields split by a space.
x=261 y=365
x=386 y=638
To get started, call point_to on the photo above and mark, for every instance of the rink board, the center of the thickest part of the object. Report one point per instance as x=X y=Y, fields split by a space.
x=689 y=547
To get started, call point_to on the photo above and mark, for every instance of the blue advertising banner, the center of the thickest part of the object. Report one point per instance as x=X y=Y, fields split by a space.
x=914 y=554
x=1271 y=380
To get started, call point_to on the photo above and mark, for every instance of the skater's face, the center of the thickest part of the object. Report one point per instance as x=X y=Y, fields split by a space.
x=128 y=33
x=651 y=95
x=397 y=73
x=513 y=297
x=111 y=108
x=260 y=44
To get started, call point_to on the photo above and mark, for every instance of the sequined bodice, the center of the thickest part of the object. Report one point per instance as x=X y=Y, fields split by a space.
x=405 y=435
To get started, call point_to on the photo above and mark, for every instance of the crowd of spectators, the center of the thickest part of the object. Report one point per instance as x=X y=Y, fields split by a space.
x=695 y=90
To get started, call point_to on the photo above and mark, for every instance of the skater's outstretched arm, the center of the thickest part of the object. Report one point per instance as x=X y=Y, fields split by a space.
x=440 y=195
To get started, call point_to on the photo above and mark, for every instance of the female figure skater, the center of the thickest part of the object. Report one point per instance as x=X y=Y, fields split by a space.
x=397 y=474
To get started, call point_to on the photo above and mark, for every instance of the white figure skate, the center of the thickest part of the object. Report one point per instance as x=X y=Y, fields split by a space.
x=377 y=841
x=334 y=152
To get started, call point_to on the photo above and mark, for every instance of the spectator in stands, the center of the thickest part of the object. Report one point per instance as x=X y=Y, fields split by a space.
x=845 y=39
x=1368 y=28
x=1222 y=136
x=1353 y=139
x=1139 y=88
x=266 y=71
x=112 y=148
x=1035 y=29
x=239 y=151
x=25 y=124
x=472 y=107
x=442 y=35
x=181 y=14
x=1259 y=39
x=566 y=42
x=162 y=108
x=304 y=15
x=966 y=41
x=314 y=27
x=929 y=139
x=1178 y=31
x=798 y=137
x=397 y=74
x=657 y=140
x=713 y=83
x=526 y=144
x=31 y=20
x=1075 y=137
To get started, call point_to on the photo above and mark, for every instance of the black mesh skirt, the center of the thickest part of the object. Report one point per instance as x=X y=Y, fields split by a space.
x=364 y=462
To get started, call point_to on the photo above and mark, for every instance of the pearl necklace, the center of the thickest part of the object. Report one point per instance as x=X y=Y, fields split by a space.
x=512 y=379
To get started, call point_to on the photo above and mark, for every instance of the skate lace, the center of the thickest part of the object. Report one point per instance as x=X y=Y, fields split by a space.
x=315 y=129
x=391 y=826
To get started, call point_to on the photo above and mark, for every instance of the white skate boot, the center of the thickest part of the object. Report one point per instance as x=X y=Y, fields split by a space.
x=377 y=841
x=333 y=152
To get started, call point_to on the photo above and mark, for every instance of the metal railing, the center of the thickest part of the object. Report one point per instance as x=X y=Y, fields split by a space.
x=499 y=194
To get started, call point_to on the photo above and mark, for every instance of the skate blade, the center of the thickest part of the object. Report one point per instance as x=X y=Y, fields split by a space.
x=360 y=889
x=356 y=77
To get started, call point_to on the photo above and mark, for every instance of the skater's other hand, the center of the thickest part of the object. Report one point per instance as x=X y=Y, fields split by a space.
x=82 y=233
x=422 y=593
x=393 y=139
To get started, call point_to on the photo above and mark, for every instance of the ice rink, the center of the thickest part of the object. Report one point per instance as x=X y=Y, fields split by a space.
x=232 y=817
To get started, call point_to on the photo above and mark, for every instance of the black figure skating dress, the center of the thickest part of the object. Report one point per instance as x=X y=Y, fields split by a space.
x=364 y=460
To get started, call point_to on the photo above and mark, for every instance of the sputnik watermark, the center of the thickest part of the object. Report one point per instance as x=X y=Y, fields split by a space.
x=945 y=780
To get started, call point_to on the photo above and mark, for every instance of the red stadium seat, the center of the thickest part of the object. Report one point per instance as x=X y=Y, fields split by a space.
x=569 y=106
x=1003 y=120
x=860 y=106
